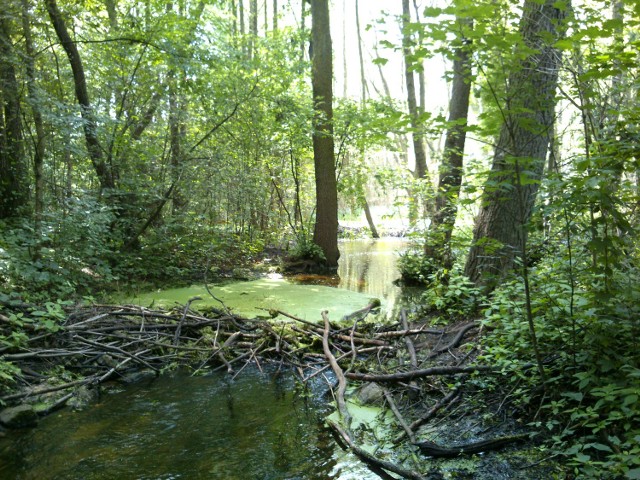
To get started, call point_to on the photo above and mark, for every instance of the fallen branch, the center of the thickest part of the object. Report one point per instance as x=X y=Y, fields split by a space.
x=342 y=383
x=404 y=376
x=370 y=459
x=434 y=450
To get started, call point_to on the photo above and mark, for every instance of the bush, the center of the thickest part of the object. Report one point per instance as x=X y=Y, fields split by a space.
x=587 y=331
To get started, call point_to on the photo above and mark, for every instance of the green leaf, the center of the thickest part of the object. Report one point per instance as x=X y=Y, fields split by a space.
x=564 y=44
x=380 y=61
x=581 y=457
x=633 y=474
x=577 y=396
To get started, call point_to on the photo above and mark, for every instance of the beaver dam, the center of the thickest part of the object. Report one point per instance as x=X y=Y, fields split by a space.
x=211 y=392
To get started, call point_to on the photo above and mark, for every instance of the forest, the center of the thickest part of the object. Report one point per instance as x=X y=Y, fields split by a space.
x=150 y=144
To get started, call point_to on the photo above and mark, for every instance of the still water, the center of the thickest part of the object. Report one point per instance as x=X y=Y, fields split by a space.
x=260 y=425
x=367 y=269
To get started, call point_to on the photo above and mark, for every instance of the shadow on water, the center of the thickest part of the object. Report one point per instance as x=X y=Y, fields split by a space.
x=258 y=426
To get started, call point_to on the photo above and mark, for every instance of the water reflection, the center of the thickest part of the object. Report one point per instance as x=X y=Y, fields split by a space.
x=369 y=266
x=254 y=427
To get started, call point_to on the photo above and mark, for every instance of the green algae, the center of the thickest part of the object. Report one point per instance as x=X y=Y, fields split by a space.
x=255 y=298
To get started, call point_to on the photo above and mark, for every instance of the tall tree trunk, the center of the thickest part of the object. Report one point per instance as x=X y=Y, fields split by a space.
x=418 y=138
x=363 y=81
x=275 y=15
x=325 y=233
x=13 y=186
x=104 y=173
x=438 y=244
x=518 y=164
x=253 y=26
x=39 y=148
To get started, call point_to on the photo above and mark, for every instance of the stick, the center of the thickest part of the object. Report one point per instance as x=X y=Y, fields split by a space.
x=401 y=376
x=398 y=415
x=342 y=382
x=176 y=337
x=408 y=342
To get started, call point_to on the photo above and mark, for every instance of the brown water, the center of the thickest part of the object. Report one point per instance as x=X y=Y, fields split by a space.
x=258 y=426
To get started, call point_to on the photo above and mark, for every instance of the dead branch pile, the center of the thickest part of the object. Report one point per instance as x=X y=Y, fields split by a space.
x=105 y=342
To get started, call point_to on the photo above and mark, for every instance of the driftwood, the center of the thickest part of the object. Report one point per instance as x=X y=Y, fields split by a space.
x=434 y=450
x=414 y=374
x=345 y=433
x=370 y=459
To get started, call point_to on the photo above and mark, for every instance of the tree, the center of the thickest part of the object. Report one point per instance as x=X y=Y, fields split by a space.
x=438 y=245
x=509 y=194
x=39 y=148
x=325 y=233
x=418 y=138
x=13 y=187
x=363 y=79
x=104 y=172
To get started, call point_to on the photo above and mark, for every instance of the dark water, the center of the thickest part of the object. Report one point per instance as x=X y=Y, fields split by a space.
x=258 y=426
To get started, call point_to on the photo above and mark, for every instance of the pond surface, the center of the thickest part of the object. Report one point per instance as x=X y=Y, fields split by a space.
x=367 y=269
x=256 y=426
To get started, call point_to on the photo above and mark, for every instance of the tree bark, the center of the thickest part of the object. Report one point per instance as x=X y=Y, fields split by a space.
x=418 y=139
x=253 y=26
x=104 y=173
x=518 y=163
x=326 y=227
x=438 y=245
x=13 y=186
x=39 y=147
x=275 y=15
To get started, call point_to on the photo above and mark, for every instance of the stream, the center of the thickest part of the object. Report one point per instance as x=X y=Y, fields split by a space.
x=261 y=424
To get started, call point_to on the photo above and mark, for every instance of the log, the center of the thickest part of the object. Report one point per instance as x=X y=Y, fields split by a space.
x=404 y=376
x=434 y=450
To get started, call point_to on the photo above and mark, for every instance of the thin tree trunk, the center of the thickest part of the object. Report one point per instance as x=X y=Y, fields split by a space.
x=385 y=84
x=344 y=48
x=364 y=92
x=39 y=150
x=326 y=227
x=507 y=201
x=13 y=187
x=275 y=15
x=438 y=245
x=234 y=19
x=363 y=78
x=422 y=84
x=253 y=25
x=104 y=173
x=303 y=21
x=418 y=140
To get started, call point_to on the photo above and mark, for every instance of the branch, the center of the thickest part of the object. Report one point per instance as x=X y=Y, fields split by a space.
x=404 y=376
x=342 y=383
